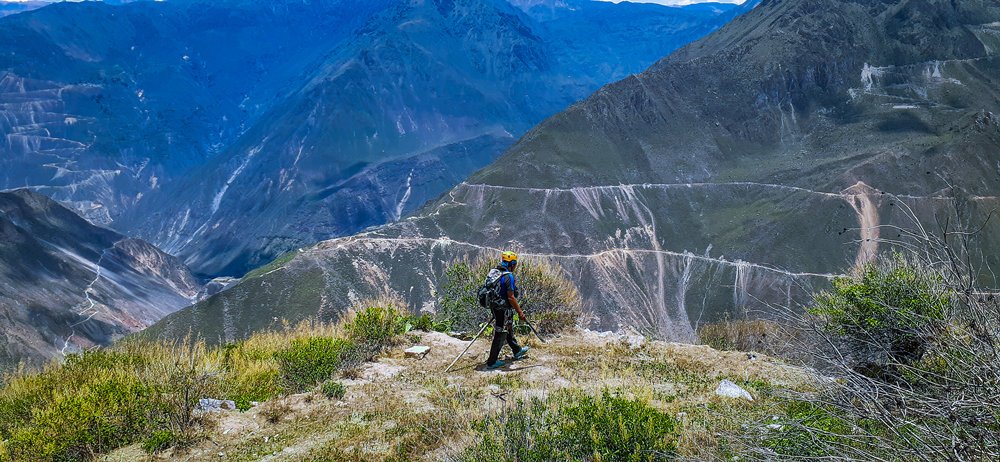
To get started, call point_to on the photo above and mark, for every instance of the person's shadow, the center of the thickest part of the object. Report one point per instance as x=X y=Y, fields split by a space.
x=509 y=366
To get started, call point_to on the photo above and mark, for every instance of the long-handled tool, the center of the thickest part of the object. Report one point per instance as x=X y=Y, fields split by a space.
x=470 y=343
x=533 y=330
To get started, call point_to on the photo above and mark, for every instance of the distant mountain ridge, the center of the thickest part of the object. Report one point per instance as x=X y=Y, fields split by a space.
x=163 y=119
x=66 y=285
x=744 y=170
x=426 y=94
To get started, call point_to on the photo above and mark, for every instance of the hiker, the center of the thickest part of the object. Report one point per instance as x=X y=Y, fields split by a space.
x=503 y=307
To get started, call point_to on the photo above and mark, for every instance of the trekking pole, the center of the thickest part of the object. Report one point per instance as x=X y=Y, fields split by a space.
x=470 y=344
x=533 y=330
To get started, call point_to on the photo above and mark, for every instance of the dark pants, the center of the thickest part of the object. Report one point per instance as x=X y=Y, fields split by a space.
x=503 y=331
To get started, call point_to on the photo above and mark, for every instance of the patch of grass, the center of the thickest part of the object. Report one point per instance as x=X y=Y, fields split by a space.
x=310 y=361
x=275 y=410
x=159 y=441
x=575 y=426
x=145 y=391
x=376 y=326
x=275 y=264
x=333 y=389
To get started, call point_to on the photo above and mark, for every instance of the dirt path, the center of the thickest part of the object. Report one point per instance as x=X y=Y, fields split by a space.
x=859 y=197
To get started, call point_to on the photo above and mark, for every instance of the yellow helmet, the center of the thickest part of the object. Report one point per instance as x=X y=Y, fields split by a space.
x=508 y=259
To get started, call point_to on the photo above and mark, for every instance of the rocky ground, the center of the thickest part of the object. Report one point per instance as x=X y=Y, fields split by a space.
x=400 y=408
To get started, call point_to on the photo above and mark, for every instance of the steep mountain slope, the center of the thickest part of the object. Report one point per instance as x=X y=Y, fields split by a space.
x=422 y=96
x=102 y=104
x=66 y=284
x=743 y=170
x=137 y=116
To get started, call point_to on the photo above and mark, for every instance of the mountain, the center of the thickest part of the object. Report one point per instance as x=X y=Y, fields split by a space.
x=744 y=170
x=424 y=94
x=66 y=284
x=231 y=132
x=9 y=8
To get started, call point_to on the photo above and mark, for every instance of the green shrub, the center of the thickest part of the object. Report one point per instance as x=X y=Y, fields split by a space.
x=427 y=323
x=159 y=441
x=914 y=350
x=312 y=360
x=572 y=426
x=333 y=389
x=375 y=326
x=548 y=298
x=887 y=315
x=249 y=386
x=109 y=411
x=758 y=335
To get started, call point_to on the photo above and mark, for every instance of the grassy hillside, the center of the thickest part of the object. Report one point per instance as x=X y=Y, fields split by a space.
x=903 y=365
x=399 y=408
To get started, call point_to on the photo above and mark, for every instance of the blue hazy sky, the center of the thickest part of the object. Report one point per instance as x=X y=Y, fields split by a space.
x=676 y=2
x=662 y=2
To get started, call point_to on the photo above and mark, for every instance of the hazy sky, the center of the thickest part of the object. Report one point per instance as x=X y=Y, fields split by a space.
x=677 y=2
x=662 y=2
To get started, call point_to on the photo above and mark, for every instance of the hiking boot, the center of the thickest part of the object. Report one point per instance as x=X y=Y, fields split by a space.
x=521 y=353
x=495 y=365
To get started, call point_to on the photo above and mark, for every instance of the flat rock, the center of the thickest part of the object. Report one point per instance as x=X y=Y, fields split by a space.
x=418 y=351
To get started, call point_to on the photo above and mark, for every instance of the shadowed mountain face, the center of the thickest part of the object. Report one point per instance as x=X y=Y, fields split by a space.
x=66 y=284
x=230 y=132
x=424 y=94
x=101 y=105
x=745 y=169
x=9 y=8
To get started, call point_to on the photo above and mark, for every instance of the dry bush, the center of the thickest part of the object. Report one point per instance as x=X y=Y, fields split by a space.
x=758 y=335
x=275 y=410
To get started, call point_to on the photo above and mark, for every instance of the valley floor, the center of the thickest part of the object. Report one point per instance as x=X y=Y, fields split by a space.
x=400 y=408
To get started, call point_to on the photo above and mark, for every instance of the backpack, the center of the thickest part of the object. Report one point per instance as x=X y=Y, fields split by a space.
x=489 y=292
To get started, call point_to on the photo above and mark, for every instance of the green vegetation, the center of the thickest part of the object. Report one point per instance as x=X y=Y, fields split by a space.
x=333 y=389
x=427 y=323
x=887 y=315
x=159 y=440
x=146 y=392
x=376 y=326
x=914 y=351
x=576 y=426
x=275 y=264
x=551 y=301
x=310 y=361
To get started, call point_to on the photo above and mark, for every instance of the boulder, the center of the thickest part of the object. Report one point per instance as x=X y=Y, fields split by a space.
x=731 y=390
